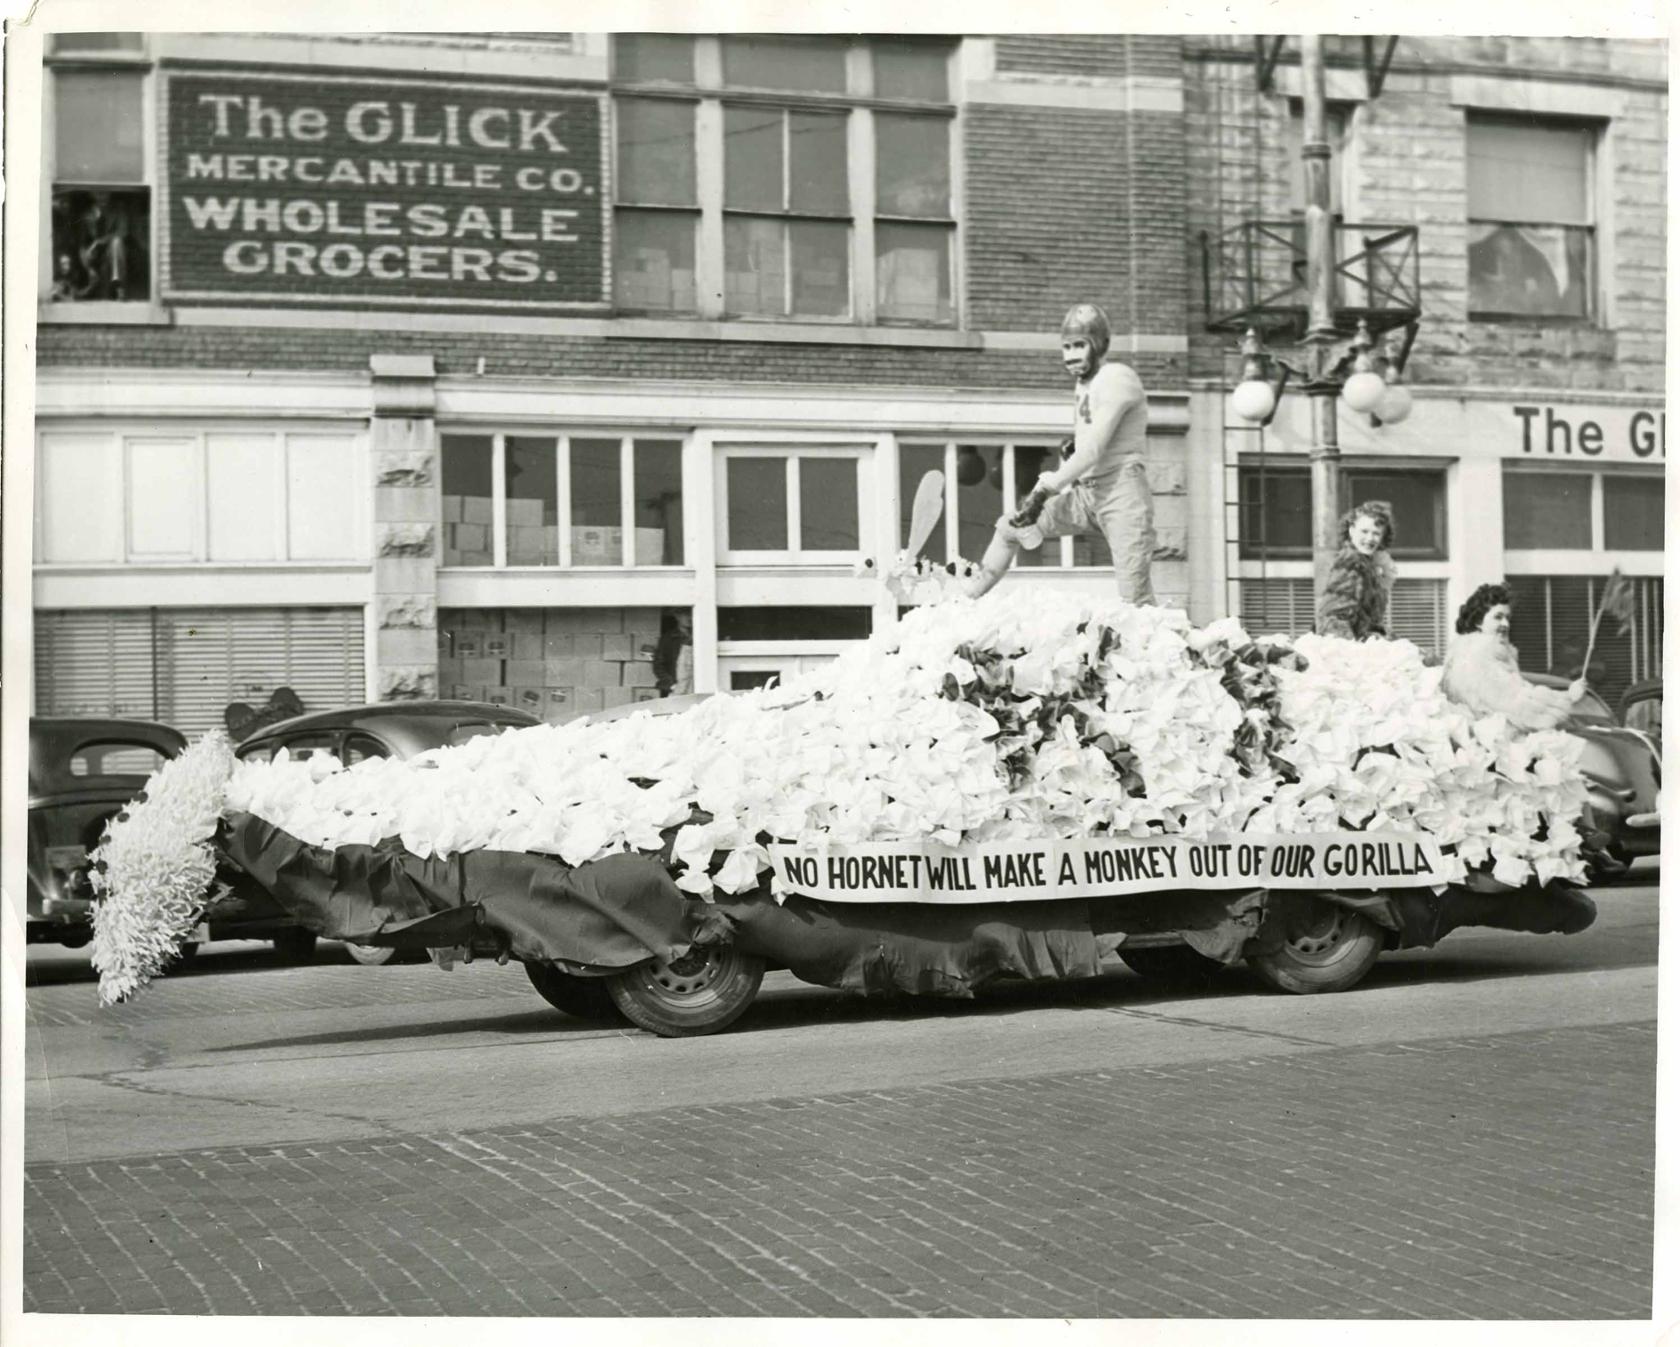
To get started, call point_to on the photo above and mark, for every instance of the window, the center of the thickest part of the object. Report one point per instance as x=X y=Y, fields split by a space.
x=361 y=747
x=504 y=497
x=1531 y=218
x=213 y=496
x=101 y=236
x=116 y=759
x=1583 y=511
x=779 y=504
x=773 y=177
x=1417 y=609
x=1275 y=508
x=1551 y=623
x=989 y=480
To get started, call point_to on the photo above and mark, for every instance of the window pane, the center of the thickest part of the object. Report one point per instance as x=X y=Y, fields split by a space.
x=99 y=126
x=752 y=158
x=654 y=56
x=828 y=504
x=1030 y=460
x=655 y=151
x=909 y=70
x=597 y=520
x=912 y=165
x=817 y=174
x=794 y=624
x=1418 y=501
x=808 y=64
x=1518 y=269
x=757 y=504
x=1275 y=511
x=467 y=500
x=100 y=244
x=59 y=43
x=754 y=266
x=1548 y=510
x=979 y=498
x=821 y=269
x=653 y=260
x=1633 y=513
x=1528 y=173
x=243 y=469
x=533 y=513
x=913 y=272
x=659 y=503
x=914 y=462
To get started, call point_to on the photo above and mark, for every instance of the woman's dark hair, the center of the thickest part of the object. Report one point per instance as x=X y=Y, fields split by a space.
x=1477 y=605
x=1374 y=509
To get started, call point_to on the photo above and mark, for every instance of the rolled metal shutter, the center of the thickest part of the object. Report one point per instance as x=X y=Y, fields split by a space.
x=184 y=666
x=1276 y=606
x=1416 y=610
x=1417 y=613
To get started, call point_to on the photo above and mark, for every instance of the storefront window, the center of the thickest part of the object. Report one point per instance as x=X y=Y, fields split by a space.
x=761 y=623
x=1548 y=510
x=758 y=519
x=533 y=532
x=1633 y=513
x=597 y=503
x=468 y=501
x=1551 y=625
x=828 y=505
x=659 y=502
x=1275 y=508
x=799 y=504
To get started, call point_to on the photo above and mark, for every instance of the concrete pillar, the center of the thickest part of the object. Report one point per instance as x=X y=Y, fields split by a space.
x=406 y=509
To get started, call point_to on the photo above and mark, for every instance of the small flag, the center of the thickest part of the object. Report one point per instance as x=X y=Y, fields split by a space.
x=1617 y=601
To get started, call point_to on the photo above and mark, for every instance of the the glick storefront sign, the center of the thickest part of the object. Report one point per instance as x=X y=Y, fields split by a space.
x=331 y=190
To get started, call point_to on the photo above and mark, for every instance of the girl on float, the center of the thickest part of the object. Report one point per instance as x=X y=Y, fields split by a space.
x=1355 y=602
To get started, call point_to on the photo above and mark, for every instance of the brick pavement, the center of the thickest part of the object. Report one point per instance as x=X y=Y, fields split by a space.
x=1506 y=1176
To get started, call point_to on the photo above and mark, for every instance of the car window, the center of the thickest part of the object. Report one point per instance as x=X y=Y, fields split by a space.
x=1645 y=715
x=302 y=746
x=116 y=759
x=472 y=729
x=361 y=747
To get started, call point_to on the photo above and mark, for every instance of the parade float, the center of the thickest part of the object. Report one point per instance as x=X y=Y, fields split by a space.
x=1024 y=785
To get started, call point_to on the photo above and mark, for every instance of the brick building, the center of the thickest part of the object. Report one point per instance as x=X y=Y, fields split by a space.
x=501 y=364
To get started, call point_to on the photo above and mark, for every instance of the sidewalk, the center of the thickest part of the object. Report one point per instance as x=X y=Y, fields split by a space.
x=1493 y=1177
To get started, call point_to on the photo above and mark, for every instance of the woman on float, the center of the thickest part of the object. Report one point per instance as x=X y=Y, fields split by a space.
x=1355 y=602
x=1481 y=668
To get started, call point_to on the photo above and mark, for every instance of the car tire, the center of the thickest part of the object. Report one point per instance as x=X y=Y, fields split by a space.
x=1177 y=965
x=1325 y=947
x=295 y=945
x=371 y=955
x=706 y=990
x=583 y=998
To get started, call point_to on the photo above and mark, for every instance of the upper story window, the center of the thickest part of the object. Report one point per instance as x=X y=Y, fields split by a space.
x=1531 y=218
x=1583 y=511
x=99 y=168
x=785 y=177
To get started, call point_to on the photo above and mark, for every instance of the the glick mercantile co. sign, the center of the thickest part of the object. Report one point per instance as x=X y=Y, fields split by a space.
x=329 y=190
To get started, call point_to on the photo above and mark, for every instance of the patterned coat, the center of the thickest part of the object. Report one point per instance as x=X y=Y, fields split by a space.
x=1355 y=602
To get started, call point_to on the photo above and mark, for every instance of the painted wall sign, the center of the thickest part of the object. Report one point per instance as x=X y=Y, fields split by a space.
x=915 y=872
x=1592 y=432
x=332 y=190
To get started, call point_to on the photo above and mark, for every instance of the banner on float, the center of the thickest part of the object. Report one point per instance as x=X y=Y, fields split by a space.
x=927 y=872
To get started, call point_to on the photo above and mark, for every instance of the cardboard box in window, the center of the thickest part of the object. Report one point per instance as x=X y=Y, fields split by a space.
x=587 y=645
x=557 y=699
x=598 y=673
x=611 y=697
x=645 y=650
x=525 y=510
x=525 y=545
x=615 y=647
x=597 y=546
x=526 y=673
x=526 y=645
x=565 y=671
x=467 y=692
x=499 y=696
x=473 y=619
x=477 y=510
x=583 y=621
x=496 y=645
x=586 y=699
x=481 y=671
x=644 y=694
x=449 y=670
x=650 y=547
x=469 y=644
x=451 y=509
x=529 y=620
x=529 y=699
x=637 y=676
x=468 y=537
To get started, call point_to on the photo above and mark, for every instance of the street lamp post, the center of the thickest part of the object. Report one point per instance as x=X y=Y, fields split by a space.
x=1322 y=385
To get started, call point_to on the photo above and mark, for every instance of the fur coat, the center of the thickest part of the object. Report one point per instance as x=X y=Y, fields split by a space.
x=1481 y=673
x=1355 y=602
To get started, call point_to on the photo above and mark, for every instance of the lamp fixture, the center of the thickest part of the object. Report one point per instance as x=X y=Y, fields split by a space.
x=1369 y=384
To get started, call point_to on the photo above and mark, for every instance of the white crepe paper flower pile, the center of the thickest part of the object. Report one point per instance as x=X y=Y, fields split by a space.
x=154 y=867
x=1031 y=713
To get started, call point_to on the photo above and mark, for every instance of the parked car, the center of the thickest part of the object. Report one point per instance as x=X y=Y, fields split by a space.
x=1622 y=764
x=81 y=772
x=384 y=730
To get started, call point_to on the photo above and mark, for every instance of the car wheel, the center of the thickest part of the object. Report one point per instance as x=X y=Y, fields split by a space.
x=295 y=945
x=1178 y=965
x=706 y=990
x=372 y=955
x=1325 y=947
x=586 y=998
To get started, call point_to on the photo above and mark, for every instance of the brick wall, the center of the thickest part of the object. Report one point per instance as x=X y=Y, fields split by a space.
x=1410 y=157
x=515 y=354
